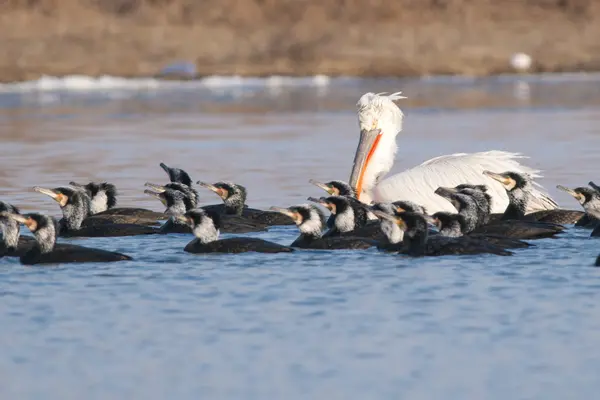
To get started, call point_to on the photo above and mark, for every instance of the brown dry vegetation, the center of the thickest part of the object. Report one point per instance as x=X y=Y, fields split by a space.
x=295 y=37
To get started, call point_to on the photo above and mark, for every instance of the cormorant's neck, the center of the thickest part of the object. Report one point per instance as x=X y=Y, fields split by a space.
x=177 y=208
x=234 y=205
x=9 y=233
x=45 y=238
x=311 y=229
x=392 y=231
x=76 y=211
x=206 y=233
x=517 y=204
x=469 y=213
x=344 y=220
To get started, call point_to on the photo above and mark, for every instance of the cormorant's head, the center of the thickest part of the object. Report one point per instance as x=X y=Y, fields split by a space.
x=585 y=196
x=226 y=190
x=176 y=201
x=408 y=221
x=34 y=221
x=308 y=218
x=335 y=204
x=42 y=226
x=462 y=186
x=409 y=206
x=177 y=175
x=62 y=195
x=205 y=224
x=510 y=180
x=335 y=188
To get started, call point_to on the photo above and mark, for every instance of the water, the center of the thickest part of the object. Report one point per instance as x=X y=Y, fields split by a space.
x=349 y=324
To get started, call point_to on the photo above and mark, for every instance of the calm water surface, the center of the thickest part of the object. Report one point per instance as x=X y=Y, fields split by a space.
x=311 y=324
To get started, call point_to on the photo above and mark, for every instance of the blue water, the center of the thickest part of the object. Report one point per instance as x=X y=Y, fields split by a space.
x=312 y=324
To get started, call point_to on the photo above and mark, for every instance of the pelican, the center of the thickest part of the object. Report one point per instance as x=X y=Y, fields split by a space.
x=380 y=121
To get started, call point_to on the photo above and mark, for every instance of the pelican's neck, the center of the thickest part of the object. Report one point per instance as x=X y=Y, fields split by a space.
x=380 y=164
x=379 y=112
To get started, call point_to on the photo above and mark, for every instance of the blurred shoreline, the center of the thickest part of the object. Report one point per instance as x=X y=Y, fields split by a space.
x=137 y=38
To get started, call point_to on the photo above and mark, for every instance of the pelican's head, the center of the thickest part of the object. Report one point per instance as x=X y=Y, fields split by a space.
x=379 y=120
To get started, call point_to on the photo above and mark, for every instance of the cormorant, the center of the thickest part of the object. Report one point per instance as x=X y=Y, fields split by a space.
x=206 y=226
x=46 y=251
x=234 y=203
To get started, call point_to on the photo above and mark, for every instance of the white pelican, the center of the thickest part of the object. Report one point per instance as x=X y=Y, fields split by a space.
x=380 y=121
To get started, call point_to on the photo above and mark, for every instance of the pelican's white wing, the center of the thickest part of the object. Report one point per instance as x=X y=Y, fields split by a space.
x=419 y=183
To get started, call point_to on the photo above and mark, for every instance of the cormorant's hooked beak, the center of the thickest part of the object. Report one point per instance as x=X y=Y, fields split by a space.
x=572 y=192
x=323 y=186
x=157 y=188
x=445 y=192
x=164 y=167
x=60 y=198
x=285 y=211
x=504 y=180
x=22 y=219
x=324 y=203
x=594 y=186
x=367 y=145
x=222 y=193
x=393 y=218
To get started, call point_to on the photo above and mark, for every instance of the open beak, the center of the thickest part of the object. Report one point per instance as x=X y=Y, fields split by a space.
x=164 y=167
x=594 y=186
x=221 y=192
x=323 y=186
x=155 y=187
x=58 y=197
x=285 y=211
x=28 y=222
x=497 y=177
x=157 y=195
x=364 y=152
